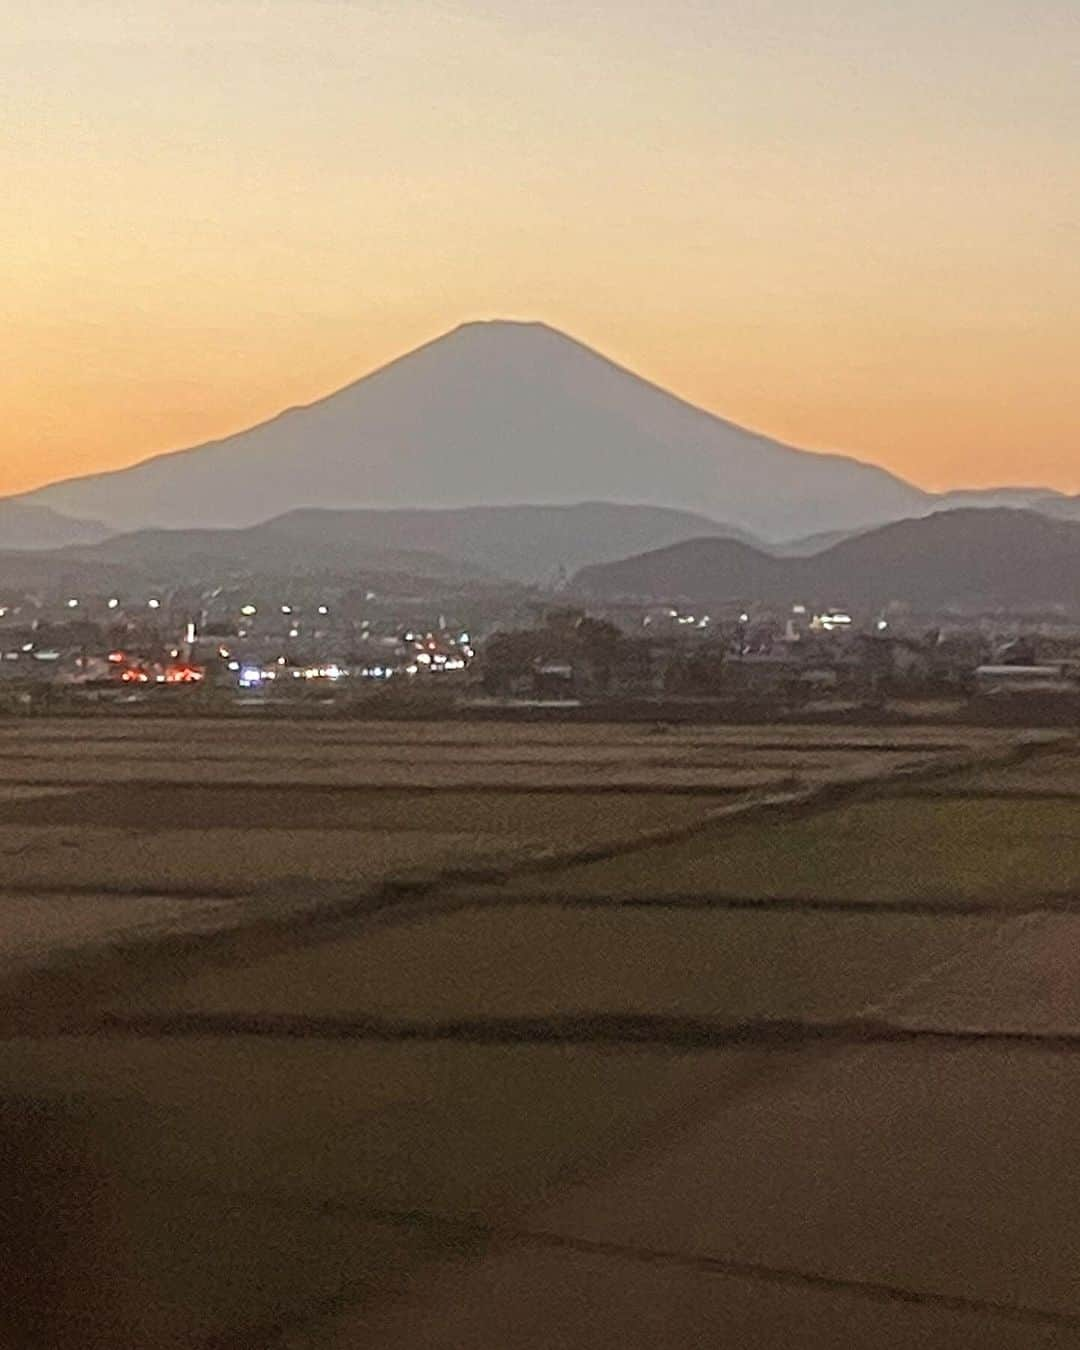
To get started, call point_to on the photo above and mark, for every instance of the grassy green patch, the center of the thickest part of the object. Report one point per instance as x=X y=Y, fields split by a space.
x=898 y=849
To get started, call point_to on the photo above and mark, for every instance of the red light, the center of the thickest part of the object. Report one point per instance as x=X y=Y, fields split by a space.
x=184 y=675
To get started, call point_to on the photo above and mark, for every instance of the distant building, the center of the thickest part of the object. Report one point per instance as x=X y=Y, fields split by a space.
x=1048 y=679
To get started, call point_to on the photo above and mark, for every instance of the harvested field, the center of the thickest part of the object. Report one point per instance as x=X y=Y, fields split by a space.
x=249 y=1178
x=1049 y=775
x=888 y=850
x=343 y=1031
x=546 y=816
x=535 y=960
x=423 y=755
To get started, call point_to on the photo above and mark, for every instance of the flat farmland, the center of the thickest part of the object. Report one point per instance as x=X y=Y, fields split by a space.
x=945 y=849
x=537 y=960
x=233 y=807
x=360 y=1026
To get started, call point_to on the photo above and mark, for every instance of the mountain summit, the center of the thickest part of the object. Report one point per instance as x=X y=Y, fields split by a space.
x=492 y=414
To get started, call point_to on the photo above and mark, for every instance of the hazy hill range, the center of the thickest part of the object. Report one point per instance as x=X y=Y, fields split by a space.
x=29 y=526
x=194 y=562
x=1021 y=498
x=520 y=543
x=181 y=557
x=989 y=556
x=523 y=543
x=41 y=572
x=492 y=414
x=1063 y=507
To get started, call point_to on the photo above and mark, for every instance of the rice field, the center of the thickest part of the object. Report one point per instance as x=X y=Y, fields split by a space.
x=335 y=1023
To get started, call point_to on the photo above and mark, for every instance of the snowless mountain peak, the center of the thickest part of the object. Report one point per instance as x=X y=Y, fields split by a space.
x=494 y=412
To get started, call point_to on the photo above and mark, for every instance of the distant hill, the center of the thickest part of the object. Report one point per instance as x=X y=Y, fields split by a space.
x=24 y=525
x=495 y=414
x=811 y=543
x=981 y=556
x=42 y=572
x=1019 y=498
x=1062 y=507
x=191 y=557
x=524 y=543
x=175 y=562
x=520 y=543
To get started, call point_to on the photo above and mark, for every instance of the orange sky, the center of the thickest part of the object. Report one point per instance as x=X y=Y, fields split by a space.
x=851 y=225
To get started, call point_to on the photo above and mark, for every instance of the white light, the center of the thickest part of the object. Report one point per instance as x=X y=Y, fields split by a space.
x=286 y=609
x=154 y=604
x=744 y=618
x=114 y=603
x=882 y=624
x=411 y=670
x=248 y=610
x=324 y=609
x=234 y=665
x=294 y=632
x=73 y=604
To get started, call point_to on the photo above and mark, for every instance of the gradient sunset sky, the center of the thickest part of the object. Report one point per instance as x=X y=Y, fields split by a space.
x=852 y=224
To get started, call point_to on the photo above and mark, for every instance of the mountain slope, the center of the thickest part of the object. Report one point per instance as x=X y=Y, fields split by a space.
x=491 y=414
x=522 y=543
x=179 y=557
x=1021 y=498
x=1061 y=507
x=987 y=556
x=525 y=543
x=24 y=525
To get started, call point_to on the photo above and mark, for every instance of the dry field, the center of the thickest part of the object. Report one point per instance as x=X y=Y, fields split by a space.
x=521 y=1036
